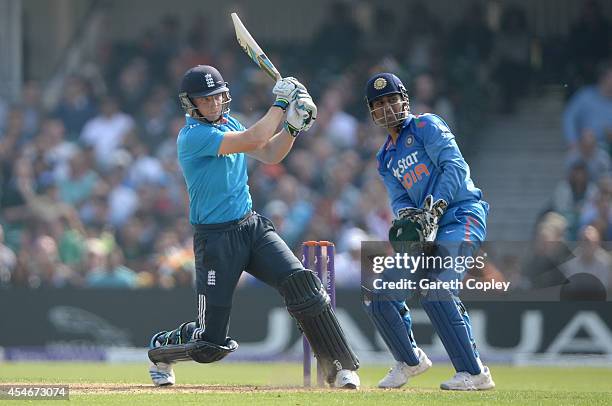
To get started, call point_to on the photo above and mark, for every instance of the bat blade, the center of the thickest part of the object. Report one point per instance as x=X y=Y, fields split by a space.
x=253 y=50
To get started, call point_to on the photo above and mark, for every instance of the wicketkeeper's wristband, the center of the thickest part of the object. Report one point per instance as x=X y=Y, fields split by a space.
x=282 y=103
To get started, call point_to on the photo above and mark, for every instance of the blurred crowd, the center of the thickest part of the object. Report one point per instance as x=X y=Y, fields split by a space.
x=580 y=209
x=91 y=194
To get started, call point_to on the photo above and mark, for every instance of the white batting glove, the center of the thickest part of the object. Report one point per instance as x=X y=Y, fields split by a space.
x=287 y=90
x=294 y=122
x=301 y=114
x=307 y=105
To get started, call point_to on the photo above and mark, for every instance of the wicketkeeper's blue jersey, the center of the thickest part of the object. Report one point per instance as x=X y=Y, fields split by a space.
x=426 y=161
x=217 y=184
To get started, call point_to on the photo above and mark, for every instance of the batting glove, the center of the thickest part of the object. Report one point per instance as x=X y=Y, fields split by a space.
x=301 y=115
x=287 y=90
x=306 y=104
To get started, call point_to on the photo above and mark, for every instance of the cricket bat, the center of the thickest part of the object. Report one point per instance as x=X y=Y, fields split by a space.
x=253 y=50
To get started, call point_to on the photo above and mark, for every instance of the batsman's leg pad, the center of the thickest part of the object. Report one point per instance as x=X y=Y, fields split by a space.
x=309 y=304
x=195 y=350
x=179 y=335
x=205 y=352
x=392 y=320
x=452 y=323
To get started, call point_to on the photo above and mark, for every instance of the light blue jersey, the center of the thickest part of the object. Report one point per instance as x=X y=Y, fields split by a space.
x=217 y=184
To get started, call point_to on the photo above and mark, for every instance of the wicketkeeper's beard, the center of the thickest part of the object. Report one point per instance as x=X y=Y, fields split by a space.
x=390 y=120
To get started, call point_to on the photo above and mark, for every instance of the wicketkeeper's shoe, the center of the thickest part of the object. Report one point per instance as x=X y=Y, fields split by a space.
x=466 y=381
x=162 y=374
x=399 y=374
x=347 y=379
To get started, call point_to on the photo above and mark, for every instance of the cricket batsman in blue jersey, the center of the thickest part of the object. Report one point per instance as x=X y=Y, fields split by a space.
x=433 y=199
x=229 y=237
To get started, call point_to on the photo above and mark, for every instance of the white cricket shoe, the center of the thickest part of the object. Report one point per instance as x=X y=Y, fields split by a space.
x=347 y=379
x=466 y=381
x=162 y=374
x=399 y=374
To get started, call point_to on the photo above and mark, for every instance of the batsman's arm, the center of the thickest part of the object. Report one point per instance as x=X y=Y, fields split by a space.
x=276 y=149
x=254 y=137
x=300 y=115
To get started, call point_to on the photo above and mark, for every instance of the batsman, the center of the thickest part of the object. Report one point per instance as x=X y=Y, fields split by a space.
x=229 y=237
x=435 y=203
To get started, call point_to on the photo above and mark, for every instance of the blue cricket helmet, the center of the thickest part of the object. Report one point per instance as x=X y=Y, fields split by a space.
x=382 y=84
x=202 y=81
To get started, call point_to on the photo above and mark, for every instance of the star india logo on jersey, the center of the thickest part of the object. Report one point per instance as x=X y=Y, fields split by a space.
x=209 y=80
x=380 y=83
x=409 y=171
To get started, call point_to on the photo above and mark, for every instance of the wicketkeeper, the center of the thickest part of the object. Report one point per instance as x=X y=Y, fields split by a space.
x=434 y=200
x=229 y=237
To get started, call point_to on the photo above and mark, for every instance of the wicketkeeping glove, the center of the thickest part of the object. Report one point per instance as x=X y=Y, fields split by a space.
x=436 y=209
x=426 y=220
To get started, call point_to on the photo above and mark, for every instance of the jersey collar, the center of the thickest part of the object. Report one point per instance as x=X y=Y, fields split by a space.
x=389 y=143
x=190 y=121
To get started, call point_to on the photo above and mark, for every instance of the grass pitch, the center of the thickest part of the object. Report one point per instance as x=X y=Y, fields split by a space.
x=280 y=384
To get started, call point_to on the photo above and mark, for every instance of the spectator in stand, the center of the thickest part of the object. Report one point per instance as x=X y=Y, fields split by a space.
x=43 y=267
x=107 y=131
x=425 y=98
x=590 y=258
x=123 y=200
x=106 y=269
x=540 y=268
x=56 y=151
x=300 y=210
x=571 y=194
x=133 y=86
x=348 y=258
x=334 y=123
x=596 y=159
x=76 y=107
x=591 y=107
x=81 y=181
x=598 y=210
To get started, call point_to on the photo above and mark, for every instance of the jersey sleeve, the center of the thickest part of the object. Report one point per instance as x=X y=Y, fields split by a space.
x=444 y=152
x=239 y=125
x=201 y=141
